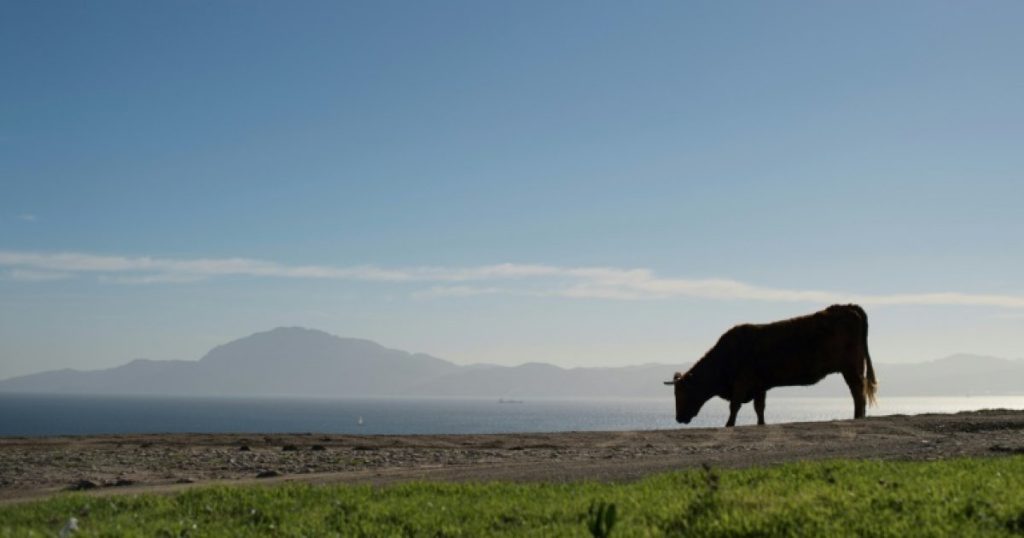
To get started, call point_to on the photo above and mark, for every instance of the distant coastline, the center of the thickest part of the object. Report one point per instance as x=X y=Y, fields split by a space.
x=297 y=361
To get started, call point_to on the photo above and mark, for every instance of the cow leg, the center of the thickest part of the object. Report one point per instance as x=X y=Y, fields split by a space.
x=734 y=407
x=759 y=407
x=856 y=384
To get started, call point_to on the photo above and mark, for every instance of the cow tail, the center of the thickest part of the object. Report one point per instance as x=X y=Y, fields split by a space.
x=870 y=382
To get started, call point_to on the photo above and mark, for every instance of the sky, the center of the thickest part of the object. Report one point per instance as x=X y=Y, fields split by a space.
x=582 y=183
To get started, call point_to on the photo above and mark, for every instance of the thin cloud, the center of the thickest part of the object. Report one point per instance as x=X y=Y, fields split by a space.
x=607 y=283
x=151 y=279
x=1009 y=315
x=27 y=217
x=435 y=292
x=656 y=288
x=31 y=275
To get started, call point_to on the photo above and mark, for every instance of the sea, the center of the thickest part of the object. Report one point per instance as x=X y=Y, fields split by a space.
x=47 y=415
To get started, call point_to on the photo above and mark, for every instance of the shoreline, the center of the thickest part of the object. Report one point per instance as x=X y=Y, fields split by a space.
x=38 y=467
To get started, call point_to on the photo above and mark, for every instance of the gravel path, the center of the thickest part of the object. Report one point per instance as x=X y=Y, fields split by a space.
x=37 y=467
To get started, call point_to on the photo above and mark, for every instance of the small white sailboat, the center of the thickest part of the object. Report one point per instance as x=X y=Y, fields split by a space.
x=359 y=422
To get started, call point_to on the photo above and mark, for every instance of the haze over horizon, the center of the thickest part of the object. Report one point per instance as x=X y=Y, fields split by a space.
x=582 y=184
x=307 y=363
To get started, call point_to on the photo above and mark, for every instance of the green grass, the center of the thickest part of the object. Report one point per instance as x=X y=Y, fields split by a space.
x=969 y=497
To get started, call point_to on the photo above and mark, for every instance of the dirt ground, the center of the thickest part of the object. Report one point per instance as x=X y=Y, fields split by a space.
x=31 y=468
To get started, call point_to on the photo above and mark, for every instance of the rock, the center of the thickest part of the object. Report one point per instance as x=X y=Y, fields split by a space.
x=318 y=448
x=289 y=448
x=267 y=474
x=69 y=528
x=244 y=448
x=83 y=485
x=1007 y=449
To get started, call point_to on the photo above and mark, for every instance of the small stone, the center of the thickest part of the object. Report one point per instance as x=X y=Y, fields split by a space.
x=267 y=474
x=83 y=485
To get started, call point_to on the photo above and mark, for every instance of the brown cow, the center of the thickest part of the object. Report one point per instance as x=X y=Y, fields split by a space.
x=750 y=359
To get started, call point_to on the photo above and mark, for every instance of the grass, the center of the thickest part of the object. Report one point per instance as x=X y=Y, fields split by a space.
x=967 y=497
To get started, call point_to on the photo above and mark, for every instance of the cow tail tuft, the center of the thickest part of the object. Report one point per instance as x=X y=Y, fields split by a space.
x=870 y=382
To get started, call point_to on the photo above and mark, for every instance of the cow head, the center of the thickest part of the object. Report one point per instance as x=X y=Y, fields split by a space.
x=689 y=396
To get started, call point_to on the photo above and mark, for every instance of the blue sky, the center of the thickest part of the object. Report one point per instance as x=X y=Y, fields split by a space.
x=582 y=183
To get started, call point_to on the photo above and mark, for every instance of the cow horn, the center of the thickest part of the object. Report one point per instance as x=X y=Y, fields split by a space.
x=670 y=382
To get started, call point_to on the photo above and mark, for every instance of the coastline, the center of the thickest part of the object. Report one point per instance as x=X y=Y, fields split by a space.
x=38 y=467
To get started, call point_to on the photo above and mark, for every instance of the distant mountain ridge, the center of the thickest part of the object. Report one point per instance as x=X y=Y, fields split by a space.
x=293 y=361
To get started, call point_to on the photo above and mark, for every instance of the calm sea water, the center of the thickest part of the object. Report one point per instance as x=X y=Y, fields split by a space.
x=34 y=415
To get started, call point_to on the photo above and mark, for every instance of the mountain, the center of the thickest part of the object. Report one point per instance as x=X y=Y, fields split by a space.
x=299 y=361
x=304 y=362
x=956 y=375
x=282 y=362
x=140 y=376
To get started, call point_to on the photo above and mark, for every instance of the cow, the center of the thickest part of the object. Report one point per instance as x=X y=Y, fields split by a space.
x=749 y=359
